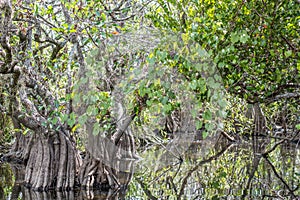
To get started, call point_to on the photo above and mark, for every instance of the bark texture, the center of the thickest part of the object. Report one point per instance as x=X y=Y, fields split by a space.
x=52 y=162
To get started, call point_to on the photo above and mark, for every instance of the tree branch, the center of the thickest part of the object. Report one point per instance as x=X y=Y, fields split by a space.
x=291 y=45
x=56 y=49
x=121 y=130
x=283 y=96
x=28 y=121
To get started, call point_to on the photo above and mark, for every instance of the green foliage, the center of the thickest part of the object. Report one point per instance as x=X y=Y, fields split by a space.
x=255 y=44
x=82 y=53
x=179 y=75
x=237 y=121
x=250 y=47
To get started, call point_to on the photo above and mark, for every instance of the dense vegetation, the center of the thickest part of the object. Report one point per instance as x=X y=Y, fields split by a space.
x=86 y=82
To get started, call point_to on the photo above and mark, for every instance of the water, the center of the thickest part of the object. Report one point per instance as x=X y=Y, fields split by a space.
x=209 y=169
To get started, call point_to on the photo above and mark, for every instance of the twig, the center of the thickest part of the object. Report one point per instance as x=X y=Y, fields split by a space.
x=47 y=22
x=231 y=139
x=289 y=43
x=251 y=175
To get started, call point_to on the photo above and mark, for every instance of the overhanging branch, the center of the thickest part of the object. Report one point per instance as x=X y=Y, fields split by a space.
x=283 y=96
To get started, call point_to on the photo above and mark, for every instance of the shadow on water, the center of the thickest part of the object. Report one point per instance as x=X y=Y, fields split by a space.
x=209 y=169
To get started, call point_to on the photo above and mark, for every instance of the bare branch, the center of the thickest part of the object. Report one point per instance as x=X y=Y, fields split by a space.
x=290 y=44
x=226 y=135
x=121 y=130
x=66 y=14
x=273 y=148
x=47 y=22
x=69 y=82
x=56 y=50
x=283 y=96
x=145 y=189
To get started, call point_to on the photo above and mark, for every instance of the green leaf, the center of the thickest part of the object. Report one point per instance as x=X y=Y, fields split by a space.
x=54 y=120
x=209 y=127
x=149 y=103
x=193 y=85
x=71 y=121
x=49 y=10
x=82 y=119
x=103 y=16
x=244 y=37
x=5 y=94
x=288 y=53
x=222 y=103
x=26 y=131
x=207 y=115
x=63 y=117
x=234 y=37
x=199 y=124
x=204 y=134
x=96 y=129
x=36 y=9
x=164 y=100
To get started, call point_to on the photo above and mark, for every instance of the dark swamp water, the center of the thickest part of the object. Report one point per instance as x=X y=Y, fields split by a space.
x=209 y=169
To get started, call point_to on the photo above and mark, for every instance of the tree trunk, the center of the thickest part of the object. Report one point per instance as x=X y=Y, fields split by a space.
x=52 y=164
x=108 y=165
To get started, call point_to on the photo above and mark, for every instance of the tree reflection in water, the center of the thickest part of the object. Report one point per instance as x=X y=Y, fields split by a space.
x=70 y=195
x=210 y=169
x=14 y=190
x=218 y=170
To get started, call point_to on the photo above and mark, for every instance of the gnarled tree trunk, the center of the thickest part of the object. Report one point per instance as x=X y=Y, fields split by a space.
x=53 y=162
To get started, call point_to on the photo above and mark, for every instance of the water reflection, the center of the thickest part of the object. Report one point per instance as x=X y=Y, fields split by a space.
x=19 y=192
x=6 y=180
x=210 y=169
x=70 y=195
x=11 y=188
x=216 y=170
